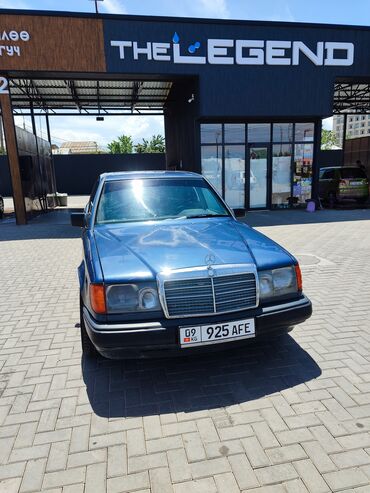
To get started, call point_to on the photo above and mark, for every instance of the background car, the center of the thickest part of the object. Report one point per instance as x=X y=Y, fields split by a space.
x=340 y=183
x=1 y=207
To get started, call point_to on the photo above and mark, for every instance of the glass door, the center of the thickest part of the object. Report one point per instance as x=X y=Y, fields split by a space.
x=258 y=167
x=235 y=176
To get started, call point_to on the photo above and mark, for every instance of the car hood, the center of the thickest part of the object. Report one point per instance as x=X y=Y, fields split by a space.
x=141 y=250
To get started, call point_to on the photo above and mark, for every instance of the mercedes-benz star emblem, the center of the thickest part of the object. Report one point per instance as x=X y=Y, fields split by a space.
x=210 y=260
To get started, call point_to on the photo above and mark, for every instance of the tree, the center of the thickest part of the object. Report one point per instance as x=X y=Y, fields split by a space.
x=328 y=139
x=155 y=144
x=123 y=145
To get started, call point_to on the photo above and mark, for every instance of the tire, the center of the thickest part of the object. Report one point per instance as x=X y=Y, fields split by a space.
x=88 y=348
x=363 y=200
x=1 y=207
x=332 y=199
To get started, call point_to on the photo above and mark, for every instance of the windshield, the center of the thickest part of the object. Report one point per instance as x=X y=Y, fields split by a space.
x=157 y=199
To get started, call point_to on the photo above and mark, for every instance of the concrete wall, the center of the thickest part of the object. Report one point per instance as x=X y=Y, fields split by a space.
x=330 y=158
x=76 y=174
x=358 y=149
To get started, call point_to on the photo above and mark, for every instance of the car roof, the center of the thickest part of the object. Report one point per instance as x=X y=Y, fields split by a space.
x=135 y=175
x=339 y=167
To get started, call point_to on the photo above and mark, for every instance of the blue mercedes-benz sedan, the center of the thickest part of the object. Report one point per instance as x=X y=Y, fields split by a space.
x=168 y=269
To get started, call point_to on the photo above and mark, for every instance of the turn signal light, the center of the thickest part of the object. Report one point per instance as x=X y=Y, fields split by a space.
x=298 y=274
x=97 y=298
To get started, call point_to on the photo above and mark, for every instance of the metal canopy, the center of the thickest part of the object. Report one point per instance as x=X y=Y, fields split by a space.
x=351 y=97
x=88 y=97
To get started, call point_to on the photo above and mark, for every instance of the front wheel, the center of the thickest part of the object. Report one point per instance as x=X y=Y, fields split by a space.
x=88 y=348
x=1 y=207
x=362 y=200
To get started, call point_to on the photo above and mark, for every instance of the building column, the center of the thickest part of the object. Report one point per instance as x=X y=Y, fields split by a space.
x=344 y=138
x=13 y=157
x=315 y=163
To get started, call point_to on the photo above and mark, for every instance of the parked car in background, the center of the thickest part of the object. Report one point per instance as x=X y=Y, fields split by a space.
x=1 y=207
x=167 y=269
x=340 y=183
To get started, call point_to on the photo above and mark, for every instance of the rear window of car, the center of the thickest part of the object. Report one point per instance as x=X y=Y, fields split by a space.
x=352 y=173
x=327 y=174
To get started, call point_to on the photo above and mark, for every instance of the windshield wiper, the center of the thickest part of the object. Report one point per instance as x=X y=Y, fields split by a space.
x=195 y=216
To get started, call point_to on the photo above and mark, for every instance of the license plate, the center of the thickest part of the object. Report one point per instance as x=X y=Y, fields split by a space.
x=214 y=333
x=355 y=183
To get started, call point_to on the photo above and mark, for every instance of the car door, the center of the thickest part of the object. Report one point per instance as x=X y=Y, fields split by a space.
x=324 y=182
x=327 y=182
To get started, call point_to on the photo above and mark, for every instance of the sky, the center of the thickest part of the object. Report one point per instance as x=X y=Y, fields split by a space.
x=356 y=12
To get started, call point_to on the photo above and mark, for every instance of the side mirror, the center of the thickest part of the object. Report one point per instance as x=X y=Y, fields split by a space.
x=239 y=212
x=78 y=219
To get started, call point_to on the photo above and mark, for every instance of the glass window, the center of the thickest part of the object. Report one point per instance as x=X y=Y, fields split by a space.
x=327 y=174
x=259 y=132
x=234 y=133
x=304 y=132
x=347 y=173
x=235 y=176
x=211 y=133
x=302 y=176
x=283 y=132
x=281 y=174
x=258 y=177
x=211 y=157
x=157 y=199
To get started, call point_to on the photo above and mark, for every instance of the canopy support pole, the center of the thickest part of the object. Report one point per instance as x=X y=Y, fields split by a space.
x=13 y=158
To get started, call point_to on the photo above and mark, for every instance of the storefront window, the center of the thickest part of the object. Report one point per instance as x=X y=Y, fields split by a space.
x=259 y=132
x=211 y=157
x=302 y=176
x=234 y=133
x=235 y=176
x=304 y=132
x=211 y=133
x=281 y=174
x=282 y=132
x=258 y=158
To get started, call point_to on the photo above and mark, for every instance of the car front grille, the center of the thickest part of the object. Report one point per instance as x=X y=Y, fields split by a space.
x=210 y=295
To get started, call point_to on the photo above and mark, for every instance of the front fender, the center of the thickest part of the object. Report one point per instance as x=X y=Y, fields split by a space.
x=81 y=275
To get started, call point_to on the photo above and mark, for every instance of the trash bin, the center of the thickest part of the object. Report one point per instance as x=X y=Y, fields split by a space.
x=311 y=206
x=63 y=199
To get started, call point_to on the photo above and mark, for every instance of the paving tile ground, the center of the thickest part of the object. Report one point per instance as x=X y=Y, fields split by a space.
x=286 y=416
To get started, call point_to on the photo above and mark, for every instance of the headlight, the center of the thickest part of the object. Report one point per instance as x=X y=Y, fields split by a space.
x=131 y=298
x=277 y=282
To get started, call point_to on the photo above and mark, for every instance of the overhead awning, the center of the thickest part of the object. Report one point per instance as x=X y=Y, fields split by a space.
x=89 y=97
x=351 y=97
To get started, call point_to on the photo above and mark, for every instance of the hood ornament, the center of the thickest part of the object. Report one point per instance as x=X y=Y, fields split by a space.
x=210 y=260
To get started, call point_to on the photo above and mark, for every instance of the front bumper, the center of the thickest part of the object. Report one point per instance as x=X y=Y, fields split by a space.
x=150 y=339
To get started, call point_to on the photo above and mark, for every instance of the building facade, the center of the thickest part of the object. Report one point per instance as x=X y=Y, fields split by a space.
x=357 y=126
x=242 y=101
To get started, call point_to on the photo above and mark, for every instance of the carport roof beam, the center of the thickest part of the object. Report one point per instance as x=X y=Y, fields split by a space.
x=351 y=97
x=85 y=96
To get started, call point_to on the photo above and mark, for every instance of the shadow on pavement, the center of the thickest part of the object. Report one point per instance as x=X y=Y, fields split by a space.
x=300 y=216
x=56 y=224
x=146 y=387
x=52 y=225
